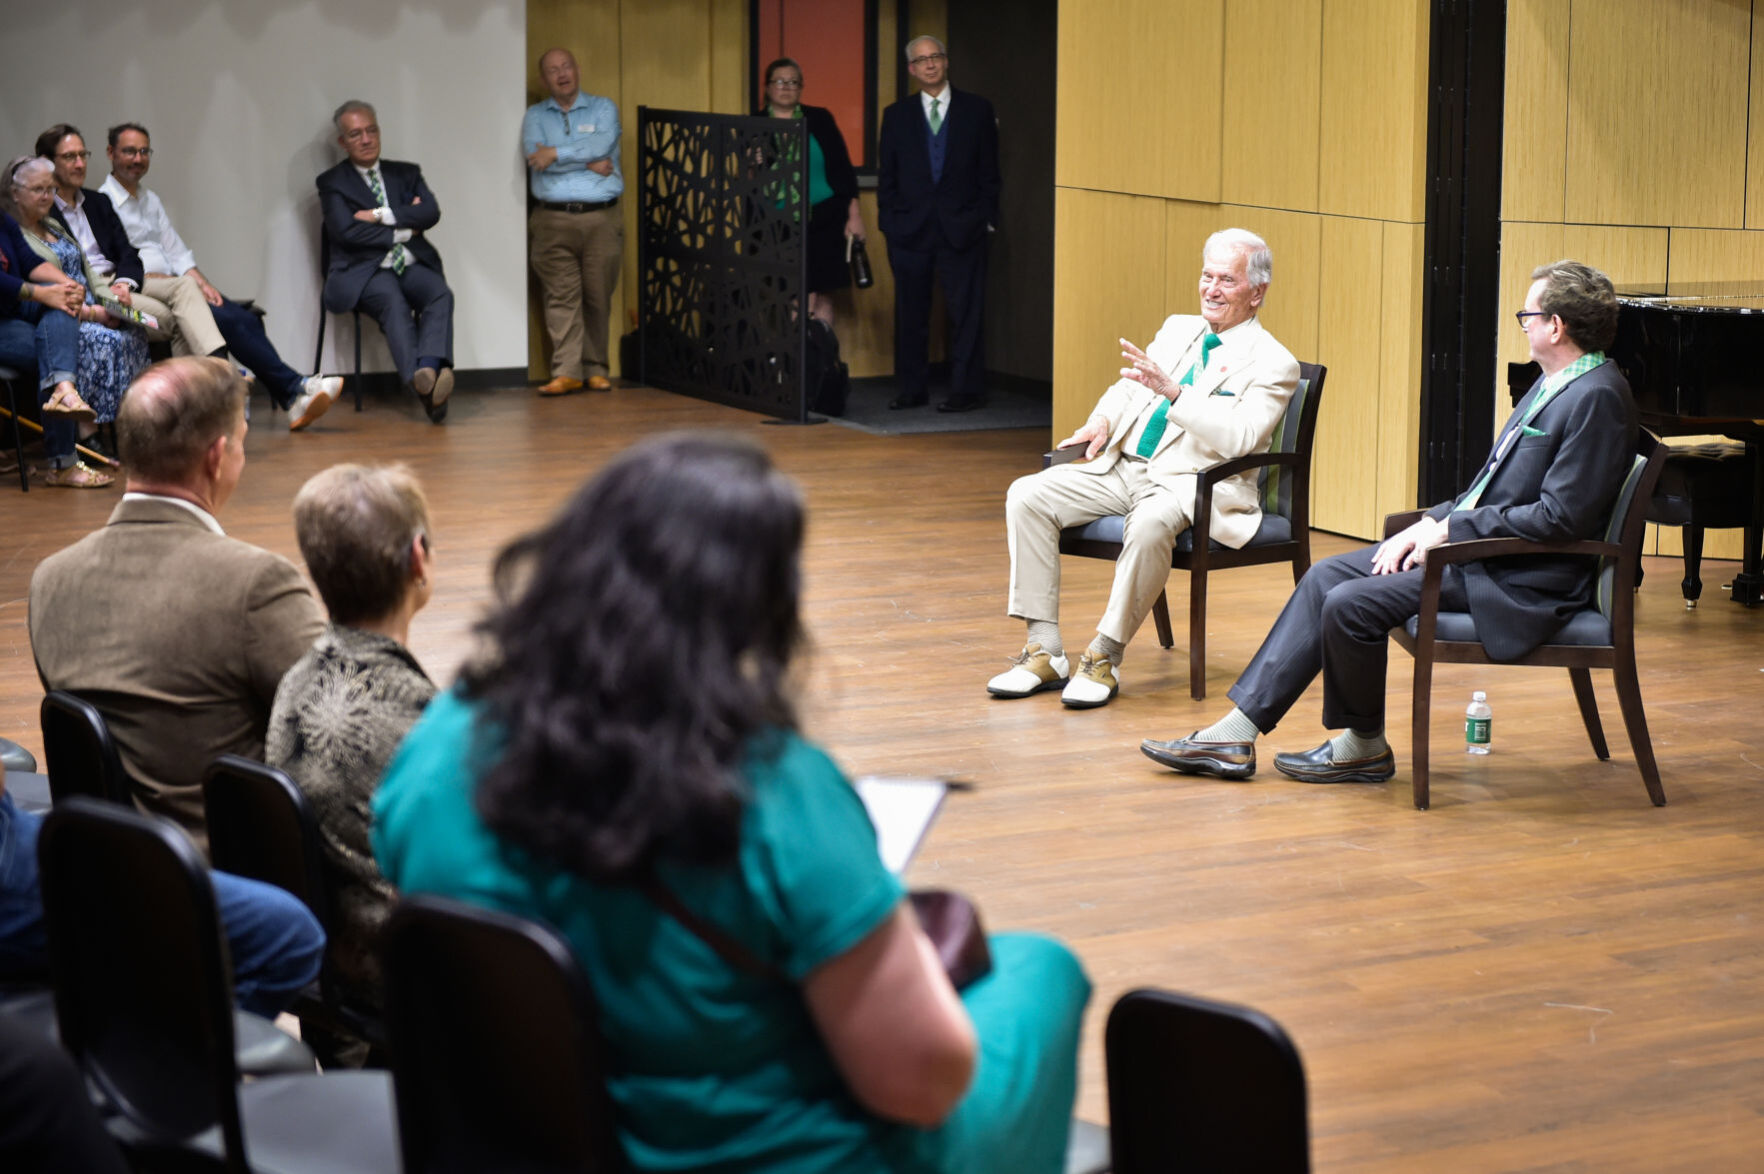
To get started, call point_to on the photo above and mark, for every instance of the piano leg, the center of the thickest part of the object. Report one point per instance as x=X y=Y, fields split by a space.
x=1748 y=585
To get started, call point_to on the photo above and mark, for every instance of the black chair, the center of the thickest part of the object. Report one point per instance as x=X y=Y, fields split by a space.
x=1196 y=1085
x=144 y=1005
x=1599 y=636
x=515 y=1084
x=10 y=378
x=261 y=826
x=1283 y=481
x=318 y=354
x=81 y=753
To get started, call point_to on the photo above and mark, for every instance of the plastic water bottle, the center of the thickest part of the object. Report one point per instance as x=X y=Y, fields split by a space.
x=1478 y=724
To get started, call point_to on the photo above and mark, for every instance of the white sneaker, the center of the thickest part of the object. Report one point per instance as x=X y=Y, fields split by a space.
x=1032 y=671
x=1092 y=685
x=318 y=394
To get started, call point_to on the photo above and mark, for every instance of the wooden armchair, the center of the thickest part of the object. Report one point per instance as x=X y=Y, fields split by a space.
x=1600 y=636
x=1284 y=482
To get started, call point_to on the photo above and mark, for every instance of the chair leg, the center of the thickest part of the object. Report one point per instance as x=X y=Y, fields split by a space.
x=1197 y=635
x=24 y=477
x=1420 y=716
x=1589 y=710
x=358 y=360
x=1693 y=563
x=1161 y=617
x=1636 y=720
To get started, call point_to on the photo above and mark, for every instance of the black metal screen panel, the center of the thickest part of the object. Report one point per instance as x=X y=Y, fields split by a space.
x=721 y=259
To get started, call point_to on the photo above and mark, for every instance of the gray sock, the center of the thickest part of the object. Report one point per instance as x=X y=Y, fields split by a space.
x=1103 y=648
x=1235 y=726
x=1352 y=744
x=1047 y=634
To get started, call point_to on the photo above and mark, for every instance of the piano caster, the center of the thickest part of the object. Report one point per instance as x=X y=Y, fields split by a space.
x=1747 y=589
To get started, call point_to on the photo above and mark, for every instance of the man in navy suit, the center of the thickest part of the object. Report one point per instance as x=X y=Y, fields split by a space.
x=377 y=214
x=937 y=199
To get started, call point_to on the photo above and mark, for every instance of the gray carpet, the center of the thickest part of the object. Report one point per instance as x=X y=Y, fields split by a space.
x=1010 y=403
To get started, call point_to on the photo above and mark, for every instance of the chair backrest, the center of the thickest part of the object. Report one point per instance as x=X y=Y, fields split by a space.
x=1628 y=521
x=1202 y=1086
x=1298 y=424
x=261 y=826
x=142 y=993
x=80 y=753
x=496 y=1055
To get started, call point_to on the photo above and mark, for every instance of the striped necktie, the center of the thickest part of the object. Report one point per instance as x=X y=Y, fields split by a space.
x=936 y=117
x=399 y=256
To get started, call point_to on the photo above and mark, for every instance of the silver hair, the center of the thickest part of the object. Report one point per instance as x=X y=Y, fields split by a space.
x=1258 y=261
x=941 y=47
x=350 y=107
x=16 y=171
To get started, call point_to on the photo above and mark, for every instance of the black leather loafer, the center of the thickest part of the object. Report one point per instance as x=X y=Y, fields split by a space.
x=960 y=405
x=1319 y=766
x=1221 y=760
x=908 y=401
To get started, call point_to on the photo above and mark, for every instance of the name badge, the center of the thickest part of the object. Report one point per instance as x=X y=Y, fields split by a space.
x=585 y=130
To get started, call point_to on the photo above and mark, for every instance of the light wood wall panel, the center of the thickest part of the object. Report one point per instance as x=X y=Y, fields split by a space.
x=1344 y=494
x=1273 y=59
x=1372 y=137
x=1755 y=128
x=1140 y=93
x=1107 y=252
x=1657 y=112
x=1534 y=153
x=1399 y=366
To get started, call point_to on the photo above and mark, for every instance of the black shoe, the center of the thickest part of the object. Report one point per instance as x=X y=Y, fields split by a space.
x=432 y=389
x=908 y=401
x=1221 y=760
x=1319 y=766
x=964 y=404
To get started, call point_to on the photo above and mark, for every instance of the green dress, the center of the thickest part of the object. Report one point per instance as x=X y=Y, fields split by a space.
x=716 y=1069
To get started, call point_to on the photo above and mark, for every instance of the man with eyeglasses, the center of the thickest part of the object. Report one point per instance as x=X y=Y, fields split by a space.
x=571 y=141
x=1552 y=476
x=936 y=201
x=169 y=265
x=378 y=214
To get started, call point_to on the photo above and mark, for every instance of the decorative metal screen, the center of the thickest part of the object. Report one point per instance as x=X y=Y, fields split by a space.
x=721 y=258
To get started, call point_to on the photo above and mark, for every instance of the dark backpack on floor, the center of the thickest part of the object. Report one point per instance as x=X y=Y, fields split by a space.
x=827 y=380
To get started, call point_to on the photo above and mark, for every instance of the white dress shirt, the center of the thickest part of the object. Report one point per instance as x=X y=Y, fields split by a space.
x=150 y=229
x=942 y=103
x=369 y=176
x=75 y=215
x=202 y=515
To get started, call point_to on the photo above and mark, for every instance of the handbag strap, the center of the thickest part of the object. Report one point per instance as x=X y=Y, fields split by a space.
x=725 y=945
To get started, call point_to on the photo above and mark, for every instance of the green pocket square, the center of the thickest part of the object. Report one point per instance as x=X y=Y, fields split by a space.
x=1530 y=431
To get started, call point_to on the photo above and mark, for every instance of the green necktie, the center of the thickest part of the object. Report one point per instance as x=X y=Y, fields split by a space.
x=1154 y=427
x=398 y=253
x=936 y=118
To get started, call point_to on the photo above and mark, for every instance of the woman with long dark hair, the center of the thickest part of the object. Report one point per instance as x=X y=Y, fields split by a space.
x=622 y=761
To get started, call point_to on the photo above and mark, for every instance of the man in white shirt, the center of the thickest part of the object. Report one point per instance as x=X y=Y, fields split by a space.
x=168 y=264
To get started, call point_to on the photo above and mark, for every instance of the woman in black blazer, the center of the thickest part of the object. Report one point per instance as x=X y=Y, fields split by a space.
x=835 y=215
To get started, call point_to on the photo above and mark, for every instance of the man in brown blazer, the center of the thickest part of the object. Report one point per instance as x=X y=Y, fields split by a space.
x=176 y=632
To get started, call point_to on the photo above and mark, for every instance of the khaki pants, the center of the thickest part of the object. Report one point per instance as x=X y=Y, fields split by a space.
x=184 y=315
x=1039 y=506
x=576 y=256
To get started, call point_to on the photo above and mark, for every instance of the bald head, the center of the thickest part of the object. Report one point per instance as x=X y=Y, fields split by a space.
x=172 y=415
x=557 y=69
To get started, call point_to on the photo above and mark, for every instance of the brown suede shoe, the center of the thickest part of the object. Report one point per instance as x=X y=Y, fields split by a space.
x=562 y=385
x=599 y=383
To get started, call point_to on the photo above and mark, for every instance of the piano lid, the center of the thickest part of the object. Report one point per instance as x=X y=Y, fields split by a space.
x=1697 y=297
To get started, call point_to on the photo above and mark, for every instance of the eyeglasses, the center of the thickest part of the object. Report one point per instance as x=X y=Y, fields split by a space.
x=70 y=156
x=41 y=190
x=360 y=133
x=789 y=83
x=135 y=152
x=927 y=57
x=1521 y=315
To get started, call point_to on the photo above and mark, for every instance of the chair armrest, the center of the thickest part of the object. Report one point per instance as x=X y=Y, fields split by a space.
x=1062 y=456
x=1397 y=523
x=1478 y=549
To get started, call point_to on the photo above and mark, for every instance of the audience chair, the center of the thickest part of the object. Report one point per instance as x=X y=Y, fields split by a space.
x=11 y=377
x=144 y=1004
x=81 y=753
x=1200 y=1086
x=318 y=354
x=260 y=826
x=1599 y=636
x=1283 y=480
x=517 y=1083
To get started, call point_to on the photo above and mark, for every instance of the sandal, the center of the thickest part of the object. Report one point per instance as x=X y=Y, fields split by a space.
x=67 y=402
x=78 y=475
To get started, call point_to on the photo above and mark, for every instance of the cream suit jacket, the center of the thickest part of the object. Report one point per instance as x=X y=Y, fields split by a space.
x=1230 y=412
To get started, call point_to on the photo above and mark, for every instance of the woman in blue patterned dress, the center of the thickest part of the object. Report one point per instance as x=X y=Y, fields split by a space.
x=112 y=352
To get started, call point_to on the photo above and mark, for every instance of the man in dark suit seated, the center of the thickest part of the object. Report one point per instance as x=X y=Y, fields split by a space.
x=1553 y=475
x=377 y=214
x=936 y=199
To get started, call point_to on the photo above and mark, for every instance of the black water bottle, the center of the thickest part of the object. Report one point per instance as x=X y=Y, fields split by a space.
x=860 y=264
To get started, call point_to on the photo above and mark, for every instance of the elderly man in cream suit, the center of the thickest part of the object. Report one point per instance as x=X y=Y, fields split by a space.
x=1209 y=388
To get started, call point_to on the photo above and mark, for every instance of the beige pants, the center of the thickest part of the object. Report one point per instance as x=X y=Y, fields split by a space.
x=1039 y=506
x=576 y=256
x=183 y=313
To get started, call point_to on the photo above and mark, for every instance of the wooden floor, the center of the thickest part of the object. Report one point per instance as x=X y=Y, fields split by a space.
x=1542 y=973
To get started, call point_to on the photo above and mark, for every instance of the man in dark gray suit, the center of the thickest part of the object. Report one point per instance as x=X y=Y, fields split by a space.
x=1554 y=472
x=377 y=214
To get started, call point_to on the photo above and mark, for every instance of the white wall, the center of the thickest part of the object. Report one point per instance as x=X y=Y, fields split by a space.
x=238 y=96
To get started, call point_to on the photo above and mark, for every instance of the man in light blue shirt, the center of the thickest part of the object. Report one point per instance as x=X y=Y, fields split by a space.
x=571 y=141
